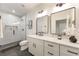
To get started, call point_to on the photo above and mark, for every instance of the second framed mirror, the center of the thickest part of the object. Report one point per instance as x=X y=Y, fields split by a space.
x=62 y=20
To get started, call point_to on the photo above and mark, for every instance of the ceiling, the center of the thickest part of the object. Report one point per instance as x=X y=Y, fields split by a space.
x=20 y=8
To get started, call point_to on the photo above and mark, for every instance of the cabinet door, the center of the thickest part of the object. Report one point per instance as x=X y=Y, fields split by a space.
x=51 y=49
x=35 y=46
x=68 y=51
x=32 y=48
x=39 y=47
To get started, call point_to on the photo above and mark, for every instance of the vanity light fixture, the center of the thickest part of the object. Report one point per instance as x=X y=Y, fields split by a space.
x=41 y=11
x=59 y=4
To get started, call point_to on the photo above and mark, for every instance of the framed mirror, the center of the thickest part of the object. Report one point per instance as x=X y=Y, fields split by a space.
x=60 y=26
x=42 y=25
x=62 y=20
x=1 y=27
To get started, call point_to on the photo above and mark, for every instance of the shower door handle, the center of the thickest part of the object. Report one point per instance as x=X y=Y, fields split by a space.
x=13 y=32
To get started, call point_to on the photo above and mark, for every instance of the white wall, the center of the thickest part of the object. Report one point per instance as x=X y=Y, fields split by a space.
x=32 y=15
x=50 y=9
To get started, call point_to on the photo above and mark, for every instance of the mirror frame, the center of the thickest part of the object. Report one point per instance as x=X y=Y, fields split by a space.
x=47 y=24
x=62 y=11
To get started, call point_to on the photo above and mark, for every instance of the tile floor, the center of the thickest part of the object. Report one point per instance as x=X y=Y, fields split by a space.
x=14 y=51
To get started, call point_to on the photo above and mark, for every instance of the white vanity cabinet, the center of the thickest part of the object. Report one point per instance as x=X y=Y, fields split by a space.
x=35 y=46
x=39 y=46
x=68 y=51
x=51 y=49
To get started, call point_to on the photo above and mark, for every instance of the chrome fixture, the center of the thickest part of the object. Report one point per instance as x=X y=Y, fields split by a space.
x=41 y=11
x=59 y=4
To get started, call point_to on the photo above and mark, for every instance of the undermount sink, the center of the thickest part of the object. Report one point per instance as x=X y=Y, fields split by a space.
x=40 y=35
x=59 y=37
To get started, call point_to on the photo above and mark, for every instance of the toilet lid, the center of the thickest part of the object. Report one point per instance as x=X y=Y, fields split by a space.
x=24 y=42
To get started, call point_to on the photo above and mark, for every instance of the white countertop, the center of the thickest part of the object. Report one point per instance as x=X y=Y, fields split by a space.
x=64 y=41
x=1 y=37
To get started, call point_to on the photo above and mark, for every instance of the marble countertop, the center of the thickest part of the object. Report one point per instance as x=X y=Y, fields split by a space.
x=64 y=41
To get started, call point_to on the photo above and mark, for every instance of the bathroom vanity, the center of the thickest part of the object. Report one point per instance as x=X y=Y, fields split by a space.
x=58 y=25
x=48 y=46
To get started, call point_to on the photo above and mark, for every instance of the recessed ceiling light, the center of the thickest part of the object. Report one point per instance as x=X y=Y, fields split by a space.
x=13 y=11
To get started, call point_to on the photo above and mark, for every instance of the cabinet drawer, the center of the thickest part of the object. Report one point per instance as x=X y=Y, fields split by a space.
x=68 y=51
x=51 y=46
x=51 y=52
x=51 y=49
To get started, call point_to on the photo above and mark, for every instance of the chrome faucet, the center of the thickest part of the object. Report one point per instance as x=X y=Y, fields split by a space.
x=40 y=33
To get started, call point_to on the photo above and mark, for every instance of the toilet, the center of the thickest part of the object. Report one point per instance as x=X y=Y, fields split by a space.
x=23 y=45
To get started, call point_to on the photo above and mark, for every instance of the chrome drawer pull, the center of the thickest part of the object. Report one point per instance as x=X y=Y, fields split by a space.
x=72 y=52
x=35 y=45
x=50 y=45
x=50 y=53
x=13 y=32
